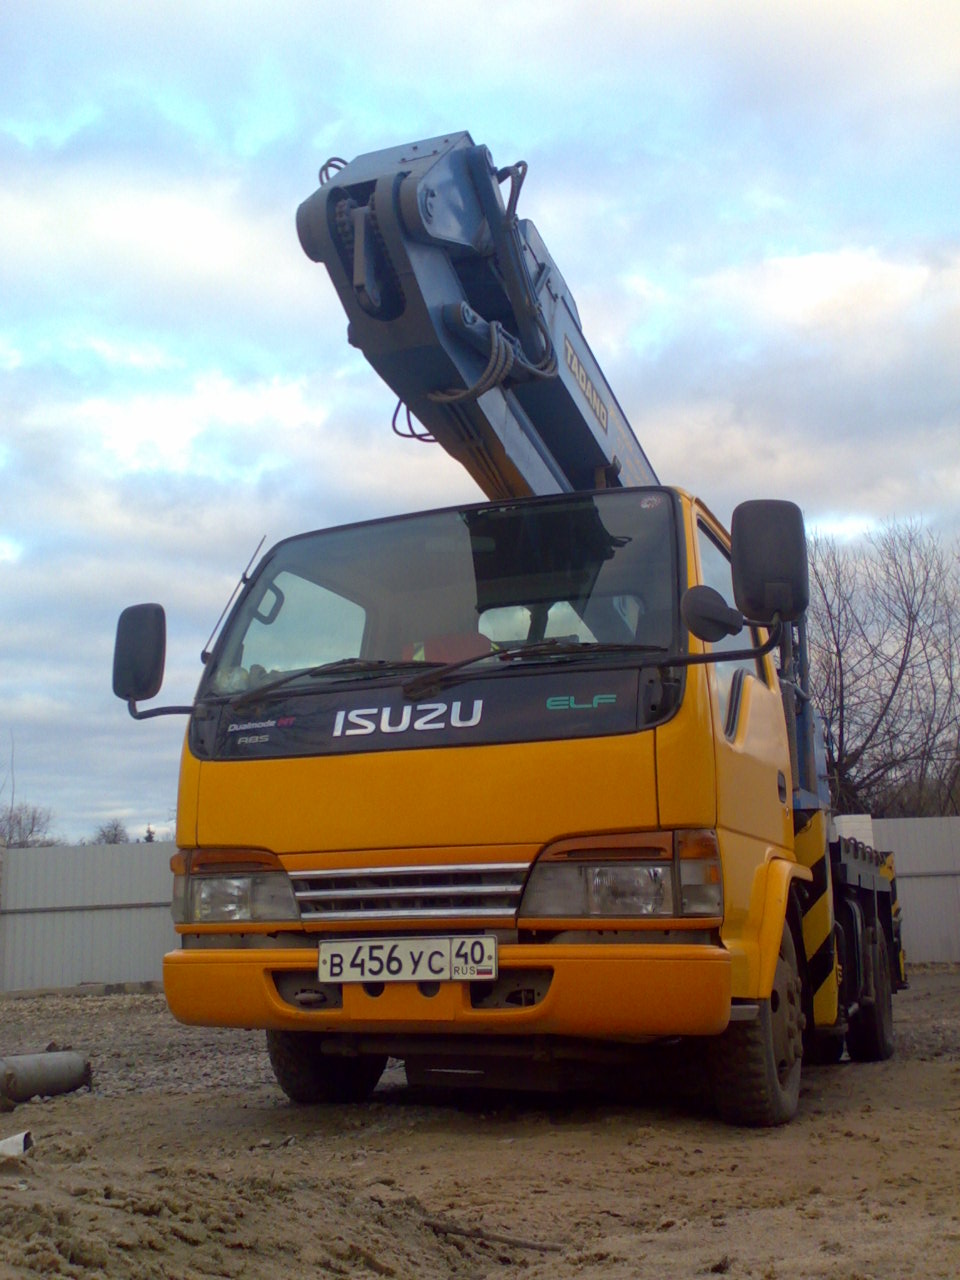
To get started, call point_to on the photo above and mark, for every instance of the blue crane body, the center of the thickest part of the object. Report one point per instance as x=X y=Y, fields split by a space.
x=460 y=308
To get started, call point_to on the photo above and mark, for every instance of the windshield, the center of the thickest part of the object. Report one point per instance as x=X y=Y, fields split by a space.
x=447 y=586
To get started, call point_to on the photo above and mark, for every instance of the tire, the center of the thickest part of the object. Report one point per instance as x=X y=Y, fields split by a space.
x=307 y=1076
x=870 y=1034
x=756 y=1065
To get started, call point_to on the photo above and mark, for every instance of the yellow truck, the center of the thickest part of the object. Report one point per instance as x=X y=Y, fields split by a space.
x=513 y=784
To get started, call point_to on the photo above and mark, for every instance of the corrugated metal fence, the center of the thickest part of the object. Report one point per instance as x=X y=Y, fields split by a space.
x=927 y=856
x=93 y=913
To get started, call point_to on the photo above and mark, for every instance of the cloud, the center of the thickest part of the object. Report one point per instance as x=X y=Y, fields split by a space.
x=754 y=206
x=725 y=456
x=102 y=519
x=226 y=82
x=830 y=293
x=807 y=349
x=101 y=244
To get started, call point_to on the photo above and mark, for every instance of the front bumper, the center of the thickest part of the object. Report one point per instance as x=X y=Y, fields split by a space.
x=627 y=992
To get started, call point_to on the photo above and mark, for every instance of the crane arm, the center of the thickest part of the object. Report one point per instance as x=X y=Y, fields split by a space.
x=460 y=308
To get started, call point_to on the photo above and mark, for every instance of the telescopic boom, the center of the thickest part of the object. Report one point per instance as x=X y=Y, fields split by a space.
x=459 y=307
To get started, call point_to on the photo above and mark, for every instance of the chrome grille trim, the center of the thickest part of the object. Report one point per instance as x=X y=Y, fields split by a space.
x=484 y=890
x=423 y=891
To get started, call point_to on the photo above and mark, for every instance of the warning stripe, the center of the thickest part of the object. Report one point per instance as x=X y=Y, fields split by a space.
x=818 y=944
x=820 y=964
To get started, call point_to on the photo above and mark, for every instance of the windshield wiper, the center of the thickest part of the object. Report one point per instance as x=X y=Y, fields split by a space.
x=346 y=667
x=557 y=648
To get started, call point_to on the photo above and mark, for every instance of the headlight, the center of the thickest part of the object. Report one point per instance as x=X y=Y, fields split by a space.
x=679 y=876
x=563 y=890
x=260 y=897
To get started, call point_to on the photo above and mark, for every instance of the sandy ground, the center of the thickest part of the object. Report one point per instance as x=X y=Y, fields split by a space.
x=186 y=1160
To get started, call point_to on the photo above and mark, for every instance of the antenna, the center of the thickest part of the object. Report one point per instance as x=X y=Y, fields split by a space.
x=205 y=652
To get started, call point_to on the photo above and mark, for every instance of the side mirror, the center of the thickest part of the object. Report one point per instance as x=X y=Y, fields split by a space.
x=139 y=652
x=708 y=616
x=769 y=553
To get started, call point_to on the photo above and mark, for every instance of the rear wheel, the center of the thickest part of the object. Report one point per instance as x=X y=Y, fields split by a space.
x=756 y=1065
x=307 y=1075
x=870 y=1034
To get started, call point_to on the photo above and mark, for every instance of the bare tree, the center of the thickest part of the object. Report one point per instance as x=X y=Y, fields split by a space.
x=24 y=826
x=883 y=630
x=111 y=832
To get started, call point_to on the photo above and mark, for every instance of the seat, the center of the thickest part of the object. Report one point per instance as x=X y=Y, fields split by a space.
x=453 y=647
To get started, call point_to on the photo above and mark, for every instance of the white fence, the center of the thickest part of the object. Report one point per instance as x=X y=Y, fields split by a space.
x=94 y=913
x=927 y=855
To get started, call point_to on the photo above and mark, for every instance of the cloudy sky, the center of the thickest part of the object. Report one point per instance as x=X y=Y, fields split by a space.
x=755 y=205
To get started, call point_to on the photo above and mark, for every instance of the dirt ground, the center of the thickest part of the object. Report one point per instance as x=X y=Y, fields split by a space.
x=185 y=1160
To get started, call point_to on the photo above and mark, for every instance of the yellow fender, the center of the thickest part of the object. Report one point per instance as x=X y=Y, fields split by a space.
x=780 y=873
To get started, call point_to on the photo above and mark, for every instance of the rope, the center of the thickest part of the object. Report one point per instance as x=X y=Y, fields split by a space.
x=498 y=370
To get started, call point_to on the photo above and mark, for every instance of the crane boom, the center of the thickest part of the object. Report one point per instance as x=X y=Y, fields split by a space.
x=460 y=308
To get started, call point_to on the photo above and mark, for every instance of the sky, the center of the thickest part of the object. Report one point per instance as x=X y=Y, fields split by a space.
x=755 y=206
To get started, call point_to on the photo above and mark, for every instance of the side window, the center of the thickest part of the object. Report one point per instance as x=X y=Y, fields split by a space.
x=511 y=624
x=301 y=624
x=505 y=624
x=717 y=573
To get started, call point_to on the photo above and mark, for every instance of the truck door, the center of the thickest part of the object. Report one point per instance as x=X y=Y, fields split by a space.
x=754 y=812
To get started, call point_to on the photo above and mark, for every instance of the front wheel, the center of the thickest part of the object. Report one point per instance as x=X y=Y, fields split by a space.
x=756 y=1065
x=307 y=1075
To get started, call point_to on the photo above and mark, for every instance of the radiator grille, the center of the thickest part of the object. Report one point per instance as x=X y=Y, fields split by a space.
x=487 y=890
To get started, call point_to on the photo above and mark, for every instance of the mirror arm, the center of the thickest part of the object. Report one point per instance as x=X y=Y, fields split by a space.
x=156 y=711
x=725 y=655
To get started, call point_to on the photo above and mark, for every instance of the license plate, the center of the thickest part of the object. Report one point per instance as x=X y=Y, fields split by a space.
x=409 y=960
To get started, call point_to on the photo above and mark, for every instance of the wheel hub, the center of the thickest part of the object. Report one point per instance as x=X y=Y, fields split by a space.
x=788 y=1017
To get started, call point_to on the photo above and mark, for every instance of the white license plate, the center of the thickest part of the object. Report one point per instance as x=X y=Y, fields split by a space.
x=409 y=959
